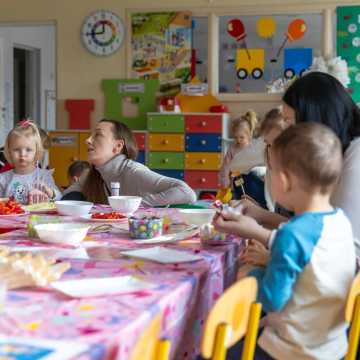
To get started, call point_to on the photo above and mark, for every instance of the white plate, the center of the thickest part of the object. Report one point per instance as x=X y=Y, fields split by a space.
x=91 y=287
x=162 y=255
x=89 y=218
x=14 y=215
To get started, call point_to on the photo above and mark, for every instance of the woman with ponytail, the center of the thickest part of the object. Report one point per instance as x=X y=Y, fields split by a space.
x=112 y=152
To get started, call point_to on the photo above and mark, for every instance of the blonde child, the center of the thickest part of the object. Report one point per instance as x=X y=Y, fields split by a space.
x=26 y=182
x=312 y=262
x=242 y=130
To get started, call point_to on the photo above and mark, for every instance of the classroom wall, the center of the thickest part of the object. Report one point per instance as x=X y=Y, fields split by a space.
x=79 y=73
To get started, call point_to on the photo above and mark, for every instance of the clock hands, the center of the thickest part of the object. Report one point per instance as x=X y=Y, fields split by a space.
x=101 y=32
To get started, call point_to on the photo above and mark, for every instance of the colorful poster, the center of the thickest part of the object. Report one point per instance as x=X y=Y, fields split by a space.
x=348 y=45
x=161 y=48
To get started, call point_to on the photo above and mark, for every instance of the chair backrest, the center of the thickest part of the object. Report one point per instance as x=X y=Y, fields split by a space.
x=149 y=347
x=352 y=316
x=236 y=311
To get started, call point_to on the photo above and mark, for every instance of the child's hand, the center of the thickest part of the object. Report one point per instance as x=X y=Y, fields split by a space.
x=250 y=208
x=37 y=196
x=255 y=254
x=235 y=223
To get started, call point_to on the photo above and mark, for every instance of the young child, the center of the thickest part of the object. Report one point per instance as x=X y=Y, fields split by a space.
x=304 y=287
x=26 y=182
x=76 y=169
x=242 y=130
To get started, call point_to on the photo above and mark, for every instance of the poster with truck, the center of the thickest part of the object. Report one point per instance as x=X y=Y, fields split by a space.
x=161 y=48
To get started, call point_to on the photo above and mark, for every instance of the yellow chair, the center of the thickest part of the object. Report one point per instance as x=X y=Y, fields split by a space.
x=149 y=346
x=352 y=316
x=234 y=315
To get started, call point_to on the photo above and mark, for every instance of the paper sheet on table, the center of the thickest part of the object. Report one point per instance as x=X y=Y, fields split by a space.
x=162 y=255
x=92 y=287
x=21 y=348
x=78 y=253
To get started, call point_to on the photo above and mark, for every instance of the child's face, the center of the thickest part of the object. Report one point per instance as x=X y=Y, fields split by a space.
x=279 y=181
x=22 y=151
x=242 y=137
x=271 y=135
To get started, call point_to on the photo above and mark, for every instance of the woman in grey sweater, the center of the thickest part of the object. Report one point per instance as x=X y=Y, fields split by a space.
x=111 y=152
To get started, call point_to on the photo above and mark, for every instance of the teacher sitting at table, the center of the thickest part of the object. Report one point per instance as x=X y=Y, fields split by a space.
x=111 y=153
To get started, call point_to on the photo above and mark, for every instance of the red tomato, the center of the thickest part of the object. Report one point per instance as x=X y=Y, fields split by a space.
x=108 y=216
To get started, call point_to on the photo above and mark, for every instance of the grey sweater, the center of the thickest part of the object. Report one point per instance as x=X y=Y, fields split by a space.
x=138 y=180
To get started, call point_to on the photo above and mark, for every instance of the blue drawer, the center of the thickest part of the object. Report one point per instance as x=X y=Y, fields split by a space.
x=203 y=143
x=177 y=174
x=141 y=157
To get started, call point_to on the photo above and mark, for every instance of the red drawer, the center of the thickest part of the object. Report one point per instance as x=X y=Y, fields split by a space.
x=202 y=179
x=203 y=123
x=140 y=139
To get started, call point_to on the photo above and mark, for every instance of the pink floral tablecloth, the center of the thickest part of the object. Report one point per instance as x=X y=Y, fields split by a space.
x=110 y=325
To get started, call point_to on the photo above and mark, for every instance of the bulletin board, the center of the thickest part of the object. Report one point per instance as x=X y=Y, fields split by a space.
x=255 y=50
x=348 y=44
x=161 y=48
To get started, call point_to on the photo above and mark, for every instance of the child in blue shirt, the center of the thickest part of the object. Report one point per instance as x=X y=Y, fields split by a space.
x=304 y=287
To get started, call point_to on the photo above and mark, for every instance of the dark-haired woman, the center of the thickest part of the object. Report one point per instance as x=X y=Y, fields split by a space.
x=111 y=152
x=319 y=97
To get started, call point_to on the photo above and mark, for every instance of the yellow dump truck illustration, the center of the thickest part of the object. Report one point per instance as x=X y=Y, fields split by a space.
x=250 y=62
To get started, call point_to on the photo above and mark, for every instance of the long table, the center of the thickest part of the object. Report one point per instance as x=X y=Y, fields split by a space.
x=111 y=325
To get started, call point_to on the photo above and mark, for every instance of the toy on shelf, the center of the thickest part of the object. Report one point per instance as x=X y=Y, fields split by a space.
x=224 y=195
x=169 y=104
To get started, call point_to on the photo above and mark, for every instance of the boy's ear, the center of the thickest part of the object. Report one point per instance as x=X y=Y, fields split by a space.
x=119 y=146
x=285 y=181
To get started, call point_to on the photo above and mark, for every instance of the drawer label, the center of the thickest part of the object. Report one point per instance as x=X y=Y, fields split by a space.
x=63 y=140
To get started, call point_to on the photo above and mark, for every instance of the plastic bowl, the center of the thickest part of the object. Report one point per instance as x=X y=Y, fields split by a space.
x=197 y=216
x=125 y=204
x=64 y=234
x=73 y=208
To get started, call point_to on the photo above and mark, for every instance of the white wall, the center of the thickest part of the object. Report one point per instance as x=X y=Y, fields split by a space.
x=39 y=37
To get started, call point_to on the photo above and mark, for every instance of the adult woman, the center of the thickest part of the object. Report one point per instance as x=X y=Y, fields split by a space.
x=111 y=151
x=321 y=98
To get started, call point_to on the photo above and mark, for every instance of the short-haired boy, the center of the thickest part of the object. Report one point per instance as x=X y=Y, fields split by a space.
x=304 y=287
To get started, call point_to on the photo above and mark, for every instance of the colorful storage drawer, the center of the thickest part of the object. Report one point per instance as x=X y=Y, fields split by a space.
x=202 y=161
x=203 y=142
x=141 y=157
x=177 y=174
x=166 y=160
x=140 y=139
x=166 y=142
x=165 y=123
x=203 y=123
x=202 y=179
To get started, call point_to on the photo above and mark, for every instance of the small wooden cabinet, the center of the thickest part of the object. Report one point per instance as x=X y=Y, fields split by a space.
x=188 y=146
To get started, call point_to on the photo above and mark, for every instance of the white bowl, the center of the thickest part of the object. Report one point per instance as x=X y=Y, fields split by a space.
x=73 y=208
x=125 y=204
x=197 y=216
x=65 y=233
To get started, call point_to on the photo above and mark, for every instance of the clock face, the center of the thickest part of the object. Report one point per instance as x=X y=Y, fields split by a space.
x=103 y=32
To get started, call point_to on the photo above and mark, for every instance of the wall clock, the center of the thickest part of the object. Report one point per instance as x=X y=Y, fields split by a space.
x=102 y=32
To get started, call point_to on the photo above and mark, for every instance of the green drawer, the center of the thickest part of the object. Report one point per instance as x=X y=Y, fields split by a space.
x=166 y=160
x=166 y=123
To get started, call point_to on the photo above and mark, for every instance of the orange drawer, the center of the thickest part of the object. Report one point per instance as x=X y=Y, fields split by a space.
x=203 y=123
x=166 y=142
x=140 y=139
x=202 y=161
x=202 y=179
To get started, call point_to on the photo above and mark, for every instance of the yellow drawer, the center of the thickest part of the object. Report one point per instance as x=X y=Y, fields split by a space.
x=166 y=142
x=202 y=161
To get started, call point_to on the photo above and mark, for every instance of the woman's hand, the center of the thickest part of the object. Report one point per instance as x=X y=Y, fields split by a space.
x=241 y=225
x=255 y=254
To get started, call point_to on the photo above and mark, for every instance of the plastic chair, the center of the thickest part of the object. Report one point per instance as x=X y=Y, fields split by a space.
x=234 y=315
x=149 y=346
x=352 y=316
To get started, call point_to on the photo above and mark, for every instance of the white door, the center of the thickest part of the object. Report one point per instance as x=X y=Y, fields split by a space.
x=4 y=96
